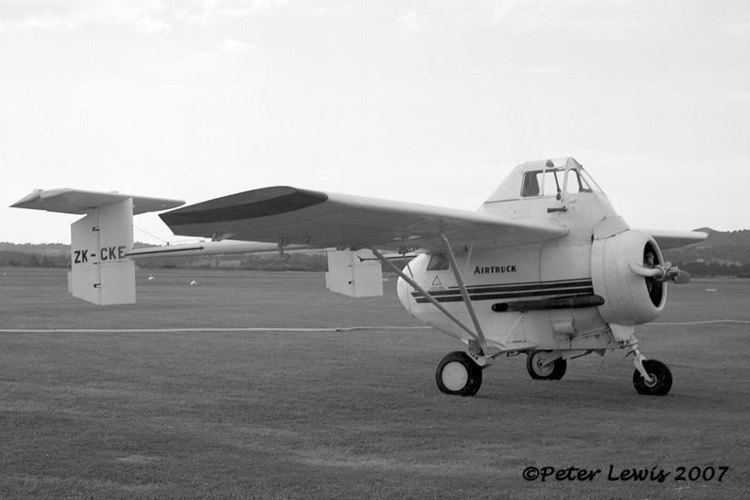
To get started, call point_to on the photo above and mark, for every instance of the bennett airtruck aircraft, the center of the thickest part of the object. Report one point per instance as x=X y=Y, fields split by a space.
x=544 y=267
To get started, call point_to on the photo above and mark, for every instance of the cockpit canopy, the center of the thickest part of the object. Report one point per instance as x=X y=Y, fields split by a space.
x=545 y=178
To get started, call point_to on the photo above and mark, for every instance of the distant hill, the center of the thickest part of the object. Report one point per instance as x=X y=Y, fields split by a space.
x=14 y=258
x=741 y=237
x=722 y=253
x=730 y=247
x=37 y=248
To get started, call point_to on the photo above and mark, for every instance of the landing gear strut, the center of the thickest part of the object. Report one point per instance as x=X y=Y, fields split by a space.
x=541 y=369
x=458 y=374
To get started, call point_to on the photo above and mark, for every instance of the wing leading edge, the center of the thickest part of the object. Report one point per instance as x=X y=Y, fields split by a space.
x=319 y=219
x=667 y=238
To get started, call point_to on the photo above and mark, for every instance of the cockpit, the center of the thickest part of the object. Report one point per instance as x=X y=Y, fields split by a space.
x=544 y=179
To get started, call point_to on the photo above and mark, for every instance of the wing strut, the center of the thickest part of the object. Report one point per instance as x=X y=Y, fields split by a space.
x=467 y=300
x=427 y=295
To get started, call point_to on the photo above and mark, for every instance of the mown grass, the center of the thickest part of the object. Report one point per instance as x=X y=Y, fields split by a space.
x=342 y=414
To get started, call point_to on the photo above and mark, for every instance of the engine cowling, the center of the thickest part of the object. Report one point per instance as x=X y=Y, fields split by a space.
x=629 y=299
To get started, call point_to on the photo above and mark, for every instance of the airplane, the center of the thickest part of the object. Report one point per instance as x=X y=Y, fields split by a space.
x=544 y=267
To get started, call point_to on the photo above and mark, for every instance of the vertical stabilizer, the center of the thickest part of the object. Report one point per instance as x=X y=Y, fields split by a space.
x=101 y=272
x=84 y=264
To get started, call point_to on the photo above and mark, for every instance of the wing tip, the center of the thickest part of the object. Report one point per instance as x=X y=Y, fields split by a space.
x=28 y=199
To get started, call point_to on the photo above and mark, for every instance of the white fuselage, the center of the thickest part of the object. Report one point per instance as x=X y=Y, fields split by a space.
x=556 y=268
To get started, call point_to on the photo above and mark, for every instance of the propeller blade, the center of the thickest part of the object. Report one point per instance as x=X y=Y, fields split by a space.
x=646 y=272
x=682 y=277
x=662 y=273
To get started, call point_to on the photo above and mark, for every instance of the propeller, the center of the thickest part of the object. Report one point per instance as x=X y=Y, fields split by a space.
x=680 y=277
x=662 y=272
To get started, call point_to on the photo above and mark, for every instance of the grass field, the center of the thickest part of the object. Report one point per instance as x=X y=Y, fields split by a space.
x=345 y=414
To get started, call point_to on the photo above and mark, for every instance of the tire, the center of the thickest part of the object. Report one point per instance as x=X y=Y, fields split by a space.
x=458 y=374
x=553 y=371
x=655 y=369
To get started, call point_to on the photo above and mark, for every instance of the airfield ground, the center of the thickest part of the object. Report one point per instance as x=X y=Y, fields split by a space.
x=348 y=414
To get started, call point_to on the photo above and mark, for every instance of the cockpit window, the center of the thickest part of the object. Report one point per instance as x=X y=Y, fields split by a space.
x=531 y=184
x=437 y=262
x=542 y=183
x=588 y=182
x=576 y=183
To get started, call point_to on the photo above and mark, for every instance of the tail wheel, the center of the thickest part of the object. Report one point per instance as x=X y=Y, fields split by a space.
x=458 y=374
x=540 y=371
x=661 y=379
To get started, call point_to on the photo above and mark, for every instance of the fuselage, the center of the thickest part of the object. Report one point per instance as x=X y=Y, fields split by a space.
x=505 y=277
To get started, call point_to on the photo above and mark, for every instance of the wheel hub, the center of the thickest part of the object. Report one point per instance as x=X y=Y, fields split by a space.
x=652 y=381
x=455 y=376
x=541 y=369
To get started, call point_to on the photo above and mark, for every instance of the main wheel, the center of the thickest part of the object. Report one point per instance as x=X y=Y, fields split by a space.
x=661 y=379
x=458 y=374
x=539 y=371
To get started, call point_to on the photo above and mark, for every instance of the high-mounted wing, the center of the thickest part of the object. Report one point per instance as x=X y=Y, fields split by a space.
x=318 y=219
x=667 y=238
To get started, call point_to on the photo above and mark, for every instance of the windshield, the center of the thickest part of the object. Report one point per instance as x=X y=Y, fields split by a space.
x=550 y=182
x=542 y=183
x=575 y=183
x=585 y=177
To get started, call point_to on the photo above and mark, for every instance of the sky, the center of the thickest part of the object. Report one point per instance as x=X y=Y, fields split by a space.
x=431 y=102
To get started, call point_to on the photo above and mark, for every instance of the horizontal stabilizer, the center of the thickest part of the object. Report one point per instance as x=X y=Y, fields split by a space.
x=76 y=201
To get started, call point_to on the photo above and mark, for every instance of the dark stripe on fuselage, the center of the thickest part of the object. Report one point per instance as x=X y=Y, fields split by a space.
x=512 y=295
x=512 y=287
x=530 y=283
x=511 y=291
